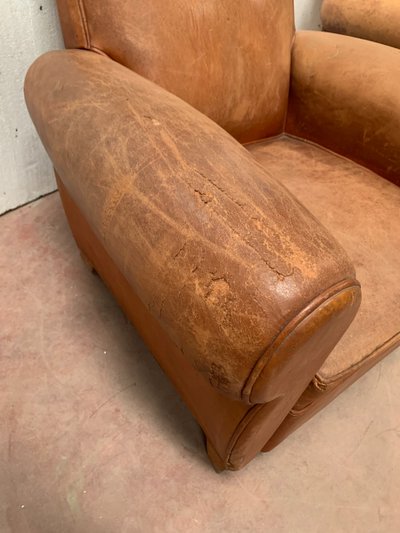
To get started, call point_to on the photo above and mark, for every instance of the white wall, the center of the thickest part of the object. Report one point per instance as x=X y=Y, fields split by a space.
x=27 y=29
x=307 y=14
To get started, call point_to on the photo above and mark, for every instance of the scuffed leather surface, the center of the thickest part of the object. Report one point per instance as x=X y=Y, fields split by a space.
x=265 y=419
x=314 y=398
x=362 y=210
x=375 y=20
x=236 y=431
x=230 y=59
x=345 y=95
x=216 y=249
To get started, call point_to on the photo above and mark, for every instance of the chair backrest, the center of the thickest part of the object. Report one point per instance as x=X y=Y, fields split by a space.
x=228 y=58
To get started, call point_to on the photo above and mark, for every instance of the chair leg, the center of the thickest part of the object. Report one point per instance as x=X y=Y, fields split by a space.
x=87 y=262
x=217 y=462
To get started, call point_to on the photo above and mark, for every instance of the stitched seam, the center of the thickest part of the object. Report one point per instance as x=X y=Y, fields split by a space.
x=249 y=416
x=366 y=165
x=259 y=367
x=290 y=79
x=82 y=13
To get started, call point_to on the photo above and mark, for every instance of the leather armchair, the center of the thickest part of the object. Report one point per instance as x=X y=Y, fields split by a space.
x=370 y=19
x=212 y=204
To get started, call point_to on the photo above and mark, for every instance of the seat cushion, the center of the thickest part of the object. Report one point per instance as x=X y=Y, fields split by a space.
x=362 y=210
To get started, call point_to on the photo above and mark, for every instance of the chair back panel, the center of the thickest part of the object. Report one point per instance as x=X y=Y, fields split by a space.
x=228 y=58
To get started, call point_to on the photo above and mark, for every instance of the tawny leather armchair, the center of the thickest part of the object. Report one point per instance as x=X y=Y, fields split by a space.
x=227 y=218
x=375 y=20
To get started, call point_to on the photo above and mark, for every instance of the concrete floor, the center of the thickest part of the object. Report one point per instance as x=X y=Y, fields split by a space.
x=94 y=439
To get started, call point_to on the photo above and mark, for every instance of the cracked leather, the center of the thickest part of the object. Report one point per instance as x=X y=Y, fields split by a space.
x=224 y=272
x=223 y=276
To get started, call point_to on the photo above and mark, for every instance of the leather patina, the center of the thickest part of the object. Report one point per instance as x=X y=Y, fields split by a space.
x=374 y=20
x=230 y=60
x=358 y=117
x=218 y=250
x=235 y=263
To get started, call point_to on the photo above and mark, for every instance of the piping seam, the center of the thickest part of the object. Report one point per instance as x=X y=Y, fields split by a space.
x=248 y=417
x=240 y=428
x=306 y=311
x=85 y=26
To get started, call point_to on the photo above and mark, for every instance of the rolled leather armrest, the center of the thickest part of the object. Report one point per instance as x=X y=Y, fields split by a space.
x=222 y=255
x=366 y=19
x=345 y=95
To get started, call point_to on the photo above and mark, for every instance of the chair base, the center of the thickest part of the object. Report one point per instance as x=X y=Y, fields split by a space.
x=235 y=431
x=218 y=415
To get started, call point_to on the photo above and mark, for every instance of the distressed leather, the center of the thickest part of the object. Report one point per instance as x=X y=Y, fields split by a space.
x=363 y=212
x=340 y=194
x=229 y=59
x=344 y=95
x=242 y=294
x=235 y=430
x=217 y=249
x=375 y=20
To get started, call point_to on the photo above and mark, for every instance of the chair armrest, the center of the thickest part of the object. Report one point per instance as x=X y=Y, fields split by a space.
x=366 y=19
x=221 y=254
x=345 y=95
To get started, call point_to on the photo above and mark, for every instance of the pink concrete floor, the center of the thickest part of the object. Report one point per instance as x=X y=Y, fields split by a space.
x=93 y=437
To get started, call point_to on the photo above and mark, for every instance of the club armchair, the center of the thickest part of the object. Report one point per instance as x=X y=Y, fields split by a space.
x=374 y=20
x=227 y=178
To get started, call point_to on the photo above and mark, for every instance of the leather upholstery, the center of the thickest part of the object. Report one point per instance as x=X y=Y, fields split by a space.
x=236 y=431
x=363 y=212
x=343 y=97
x=241 y=293
x=218 y=250
x=229 y=59
x=375 y=20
